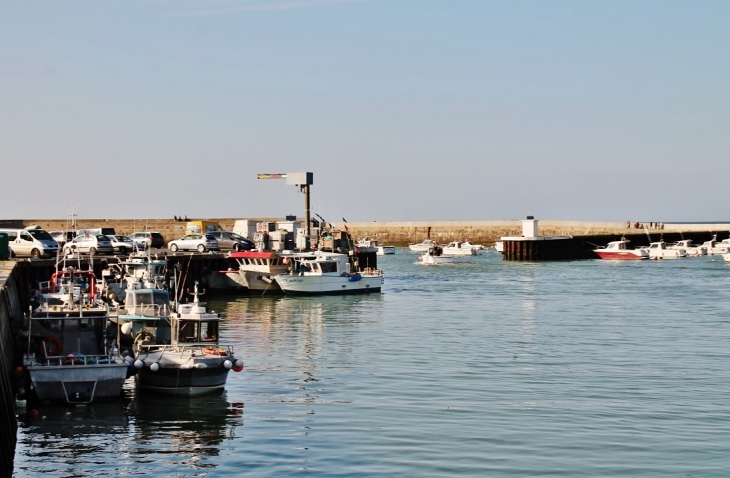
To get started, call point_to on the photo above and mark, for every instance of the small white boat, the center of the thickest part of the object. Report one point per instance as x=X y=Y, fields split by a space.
x=691 y=250
x=713 y=247
x=328 y=273
x=499 y=246
x=726 y=256
x=455 y=248
x=659 y=250
x=618 y=250
x=469 y=245
x=386 y=250
x=423 y=246
x=434 y=256
x=371 y=245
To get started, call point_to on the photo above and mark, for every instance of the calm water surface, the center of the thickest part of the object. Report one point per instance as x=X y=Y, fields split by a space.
x=482 y=368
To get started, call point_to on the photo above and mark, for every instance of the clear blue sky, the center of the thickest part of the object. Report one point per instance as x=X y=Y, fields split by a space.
x=403 y=109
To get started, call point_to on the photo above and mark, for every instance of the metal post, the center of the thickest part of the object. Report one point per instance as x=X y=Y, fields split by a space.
x=308 y=225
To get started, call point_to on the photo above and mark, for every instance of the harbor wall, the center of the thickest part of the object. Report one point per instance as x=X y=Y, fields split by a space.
x=396 y=233
x=13 y=294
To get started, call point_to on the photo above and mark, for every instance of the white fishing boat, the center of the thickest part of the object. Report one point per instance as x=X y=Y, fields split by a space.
x=476 y=247
x=455 y=248
x=371 y=245
x=619 y=250
x=176 y=353
x=69 y=357
x=434 y=256
x=423 y=246
x=659 y=250
x=690 y=250
x=139 y=271
x=327 y=273
x=713 y=247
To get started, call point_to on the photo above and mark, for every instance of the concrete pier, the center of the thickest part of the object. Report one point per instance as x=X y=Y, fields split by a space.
x=396 y=233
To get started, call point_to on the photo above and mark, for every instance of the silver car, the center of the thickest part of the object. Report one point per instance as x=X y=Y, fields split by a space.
x=194 y=242
x=88 y=244
x=125 y=245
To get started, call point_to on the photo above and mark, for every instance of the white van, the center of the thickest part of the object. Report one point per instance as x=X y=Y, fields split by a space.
x=31 y=242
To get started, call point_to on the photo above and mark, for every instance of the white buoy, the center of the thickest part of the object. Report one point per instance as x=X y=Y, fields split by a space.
x=138 y=364
x=227 y=364
x=127 y=328
x=155 y=367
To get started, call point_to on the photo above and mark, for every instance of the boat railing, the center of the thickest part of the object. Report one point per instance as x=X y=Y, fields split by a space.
x=201 y=348
x=77 y=359
x=149 y=310
x=372 y=271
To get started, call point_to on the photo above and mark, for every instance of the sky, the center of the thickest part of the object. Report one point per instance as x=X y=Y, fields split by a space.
x=404 y=110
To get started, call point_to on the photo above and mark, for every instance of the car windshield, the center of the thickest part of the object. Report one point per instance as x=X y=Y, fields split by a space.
x=156 y=235
x=40 y=234
x=209 y=237
x=101 y=237
x=237 y=237
x=122 y=239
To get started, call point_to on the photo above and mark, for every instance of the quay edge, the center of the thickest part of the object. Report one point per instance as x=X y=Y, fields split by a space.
x=397 y=233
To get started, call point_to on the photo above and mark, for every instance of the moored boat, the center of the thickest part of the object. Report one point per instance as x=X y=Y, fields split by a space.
x=689 y=249
x=422 y=246
x=659 y=250
x=327 y=273
x=455 y=248
x=178 y=353
x=69 y=357
x=618 y=250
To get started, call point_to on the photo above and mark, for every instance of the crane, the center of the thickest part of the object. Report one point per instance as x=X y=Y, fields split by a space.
x=303 y=180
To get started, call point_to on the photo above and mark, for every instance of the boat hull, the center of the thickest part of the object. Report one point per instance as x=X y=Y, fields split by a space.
x=321 y=285
x=182 y=382
x=622 y=255
x=78 y=383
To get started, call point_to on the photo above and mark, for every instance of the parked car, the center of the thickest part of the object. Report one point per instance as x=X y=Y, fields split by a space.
x=125 y=245
x=62 y=237
x=232 y=241
x=31 y=241
x=194 y=242
x=88 y=244
x=150 y=238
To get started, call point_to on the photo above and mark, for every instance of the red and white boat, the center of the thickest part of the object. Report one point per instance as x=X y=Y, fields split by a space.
x=618 y=250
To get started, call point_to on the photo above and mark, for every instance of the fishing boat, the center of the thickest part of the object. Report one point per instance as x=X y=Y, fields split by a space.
x=176 y=353
x=455 y=248
x=434 y=256
x=422 y=246
x=69 y=357
x=690 y=250
x=618 y=250
x=328 y=273
x=256 y=270
x=371 y=245
x=659 y=250
x=476 y=247
x=139 y=271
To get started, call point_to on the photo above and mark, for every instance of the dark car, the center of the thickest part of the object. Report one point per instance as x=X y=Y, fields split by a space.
x=232 y=241
x=151 y=238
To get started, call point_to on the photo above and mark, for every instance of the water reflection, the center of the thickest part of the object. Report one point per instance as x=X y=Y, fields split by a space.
x=183 y=432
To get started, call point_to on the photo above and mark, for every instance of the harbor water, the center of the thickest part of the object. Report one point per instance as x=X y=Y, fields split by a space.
x=478 y=368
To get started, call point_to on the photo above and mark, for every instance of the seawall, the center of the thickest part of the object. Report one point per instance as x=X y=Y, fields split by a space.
x=13 y=294
x=396 y=233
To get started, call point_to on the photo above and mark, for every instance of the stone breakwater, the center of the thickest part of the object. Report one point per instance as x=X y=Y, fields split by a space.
x=396 y=233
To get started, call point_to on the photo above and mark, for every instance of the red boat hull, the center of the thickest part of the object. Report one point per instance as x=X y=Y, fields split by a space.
x=622 y=255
